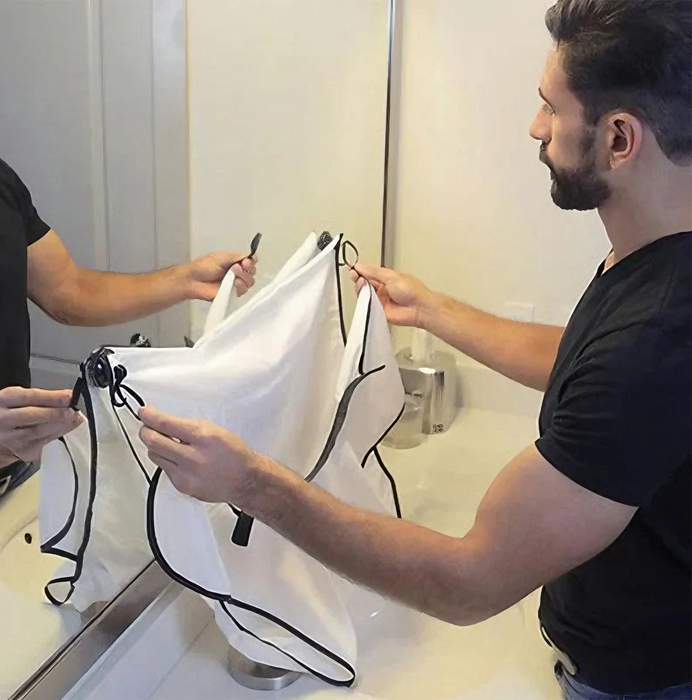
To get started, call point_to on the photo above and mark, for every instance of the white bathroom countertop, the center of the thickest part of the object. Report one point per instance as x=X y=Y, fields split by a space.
x=404 y=654
x=31 y=629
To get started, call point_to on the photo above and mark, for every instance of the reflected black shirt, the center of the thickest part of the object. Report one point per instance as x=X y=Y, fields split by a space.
x=617 y=419
x=20 y=226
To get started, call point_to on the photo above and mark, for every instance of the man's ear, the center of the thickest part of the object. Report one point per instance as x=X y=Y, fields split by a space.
x=623 y=138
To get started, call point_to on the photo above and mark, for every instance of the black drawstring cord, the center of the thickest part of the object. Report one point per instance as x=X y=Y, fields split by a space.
x=117 y=387
x=102 y=375
x=77 y=392
x=344 y=260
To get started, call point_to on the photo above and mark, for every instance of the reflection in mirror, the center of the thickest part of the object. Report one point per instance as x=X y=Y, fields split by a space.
x=149 y=134
x=287 y=126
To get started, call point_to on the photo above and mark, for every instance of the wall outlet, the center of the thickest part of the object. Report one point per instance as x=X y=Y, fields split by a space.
x=517 y=311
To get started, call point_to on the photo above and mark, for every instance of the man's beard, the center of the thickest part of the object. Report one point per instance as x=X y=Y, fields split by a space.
x=577 y=188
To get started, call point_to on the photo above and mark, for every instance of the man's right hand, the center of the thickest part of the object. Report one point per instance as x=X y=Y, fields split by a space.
x=406 y=300
x=524 y=352
x=30 y=419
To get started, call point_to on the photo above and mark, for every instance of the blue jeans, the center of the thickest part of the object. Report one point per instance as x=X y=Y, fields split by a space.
x=573 y=690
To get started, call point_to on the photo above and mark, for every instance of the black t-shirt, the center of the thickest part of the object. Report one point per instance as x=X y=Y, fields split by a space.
x=617 y=419
x=20 y=226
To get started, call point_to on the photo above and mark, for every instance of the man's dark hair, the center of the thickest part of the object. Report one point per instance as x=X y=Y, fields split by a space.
x=634 y=56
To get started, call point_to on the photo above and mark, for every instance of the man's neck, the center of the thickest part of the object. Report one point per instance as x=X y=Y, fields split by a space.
x=635 y=219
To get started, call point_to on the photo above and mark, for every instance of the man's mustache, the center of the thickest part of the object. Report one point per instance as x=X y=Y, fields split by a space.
x=543 y=156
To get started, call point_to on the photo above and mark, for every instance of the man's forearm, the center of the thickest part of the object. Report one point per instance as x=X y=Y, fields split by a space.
x=108 y=298
x=524 y=352
x=434 y=573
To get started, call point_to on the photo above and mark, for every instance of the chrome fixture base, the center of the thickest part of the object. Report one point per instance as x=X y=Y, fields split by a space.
x=251 y=674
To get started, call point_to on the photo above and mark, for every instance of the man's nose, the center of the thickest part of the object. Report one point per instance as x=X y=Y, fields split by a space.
x=539 y=129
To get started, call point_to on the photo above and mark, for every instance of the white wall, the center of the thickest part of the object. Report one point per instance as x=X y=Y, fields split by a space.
x=473 y=215
x=287 y=118
x=473 y=212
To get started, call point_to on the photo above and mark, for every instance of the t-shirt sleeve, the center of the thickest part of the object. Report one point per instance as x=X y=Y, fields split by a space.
x=623 y=423
x=34 y=227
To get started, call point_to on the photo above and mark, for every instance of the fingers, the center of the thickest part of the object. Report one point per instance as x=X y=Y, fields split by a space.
x=44 y=433
x=243 y=279
x=29 y=452
x=227 y=260
x=169 y=467
x=73 y=424
x=180 y=478
x=16 y=397
x=182 y=429
x=163 y=446
x=361 y=281
x=28 y=416
x=375 y=274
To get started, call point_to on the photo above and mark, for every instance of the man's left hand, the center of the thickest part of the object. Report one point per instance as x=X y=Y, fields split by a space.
x=206 y=274
x=201 y=459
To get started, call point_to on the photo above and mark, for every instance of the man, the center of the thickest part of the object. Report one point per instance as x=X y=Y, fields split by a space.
x=598 y=509
x=34 y=261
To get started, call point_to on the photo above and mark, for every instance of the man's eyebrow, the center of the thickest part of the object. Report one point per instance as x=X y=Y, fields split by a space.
x=543 y=97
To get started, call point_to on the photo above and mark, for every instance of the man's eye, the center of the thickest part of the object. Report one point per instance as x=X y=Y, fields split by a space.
x=548 y=109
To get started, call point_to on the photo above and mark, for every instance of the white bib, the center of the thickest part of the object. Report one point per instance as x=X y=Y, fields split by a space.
x=278 y=373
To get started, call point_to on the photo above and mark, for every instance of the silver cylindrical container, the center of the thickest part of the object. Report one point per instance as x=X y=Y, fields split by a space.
x=434 y=378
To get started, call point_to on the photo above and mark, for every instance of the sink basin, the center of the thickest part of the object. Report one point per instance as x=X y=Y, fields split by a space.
x=23 y=569
x=404 y=655
x=32 y=629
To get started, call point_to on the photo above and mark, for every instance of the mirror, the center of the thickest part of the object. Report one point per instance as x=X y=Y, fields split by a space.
x=150 y=133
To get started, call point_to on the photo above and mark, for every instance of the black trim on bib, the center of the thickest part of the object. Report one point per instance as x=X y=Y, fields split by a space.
x=338 y=424
x=48 y=546
x=77 y=392
x=342 y=321
x=395 y=494
x=158 y=554
x=145 y=474
x=88 y=518
x=300 y=635
x=339 y=421
x=227 y=599
x=365 y=333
